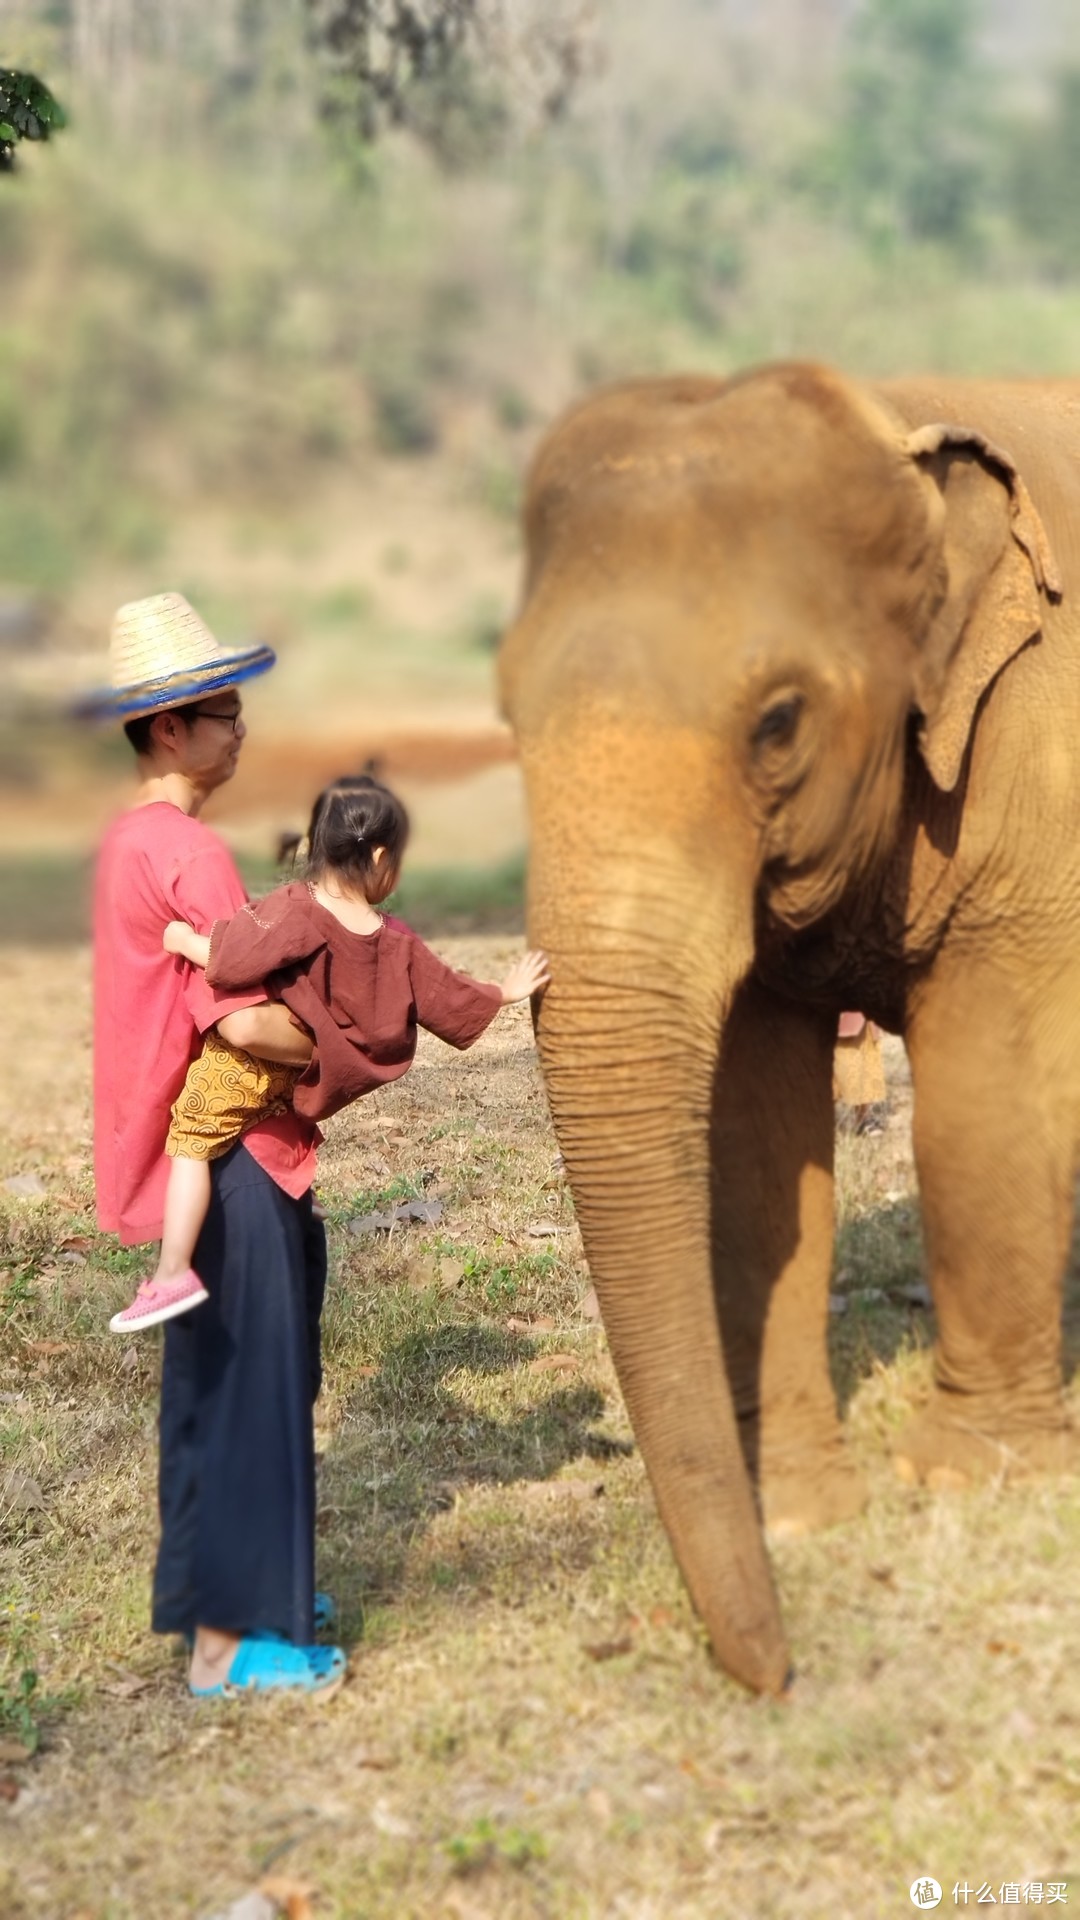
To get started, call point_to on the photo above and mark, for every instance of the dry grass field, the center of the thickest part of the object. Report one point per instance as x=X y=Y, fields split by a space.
x=531 y=1725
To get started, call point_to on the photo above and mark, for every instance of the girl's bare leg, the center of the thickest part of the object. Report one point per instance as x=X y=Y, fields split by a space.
x=187 y=1200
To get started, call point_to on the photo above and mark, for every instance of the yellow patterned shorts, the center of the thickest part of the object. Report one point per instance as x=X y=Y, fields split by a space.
x=225 y=1093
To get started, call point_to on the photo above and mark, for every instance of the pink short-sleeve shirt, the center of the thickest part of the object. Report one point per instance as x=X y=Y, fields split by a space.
x=151 y=1009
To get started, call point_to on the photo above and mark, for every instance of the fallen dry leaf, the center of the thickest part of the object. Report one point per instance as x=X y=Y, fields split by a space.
x=609 y=1649
x=427 y=1212
x=374 y=1761
x=543 y=1230
x=1004 y=1646
x=126 y=1686
x=543 y=1323
x=554 y=1363
x=291 y=1896
x=76 y=1243
x=9 y=1788
x=366 y=1223
x=366 y=1373
x=46 y=1348
x=12 y=1751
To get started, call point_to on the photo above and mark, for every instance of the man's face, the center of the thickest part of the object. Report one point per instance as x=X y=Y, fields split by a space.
x=209 y=738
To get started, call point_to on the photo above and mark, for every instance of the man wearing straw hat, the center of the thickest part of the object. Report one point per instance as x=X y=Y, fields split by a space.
x=235 y=1565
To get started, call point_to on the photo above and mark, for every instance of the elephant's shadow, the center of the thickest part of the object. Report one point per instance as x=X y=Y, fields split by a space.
x=411 y=1438
x=880 y=1276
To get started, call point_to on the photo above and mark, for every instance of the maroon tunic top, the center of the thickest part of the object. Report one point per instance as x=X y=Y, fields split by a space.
x=362 y=995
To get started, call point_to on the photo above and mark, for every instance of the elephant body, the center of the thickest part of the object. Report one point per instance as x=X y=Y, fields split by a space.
x=796 y=686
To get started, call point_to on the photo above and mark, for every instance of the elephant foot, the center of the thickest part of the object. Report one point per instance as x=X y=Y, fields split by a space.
x=820 y=1490
x=951 y=1446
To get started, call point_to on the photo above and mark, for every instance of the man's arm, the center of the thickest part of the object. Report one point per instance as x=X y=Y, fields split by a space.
x=269 y=1032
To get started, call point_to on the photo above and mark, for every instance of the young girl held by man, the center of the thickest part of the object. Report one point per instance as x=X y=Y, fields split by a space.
x=360 y=981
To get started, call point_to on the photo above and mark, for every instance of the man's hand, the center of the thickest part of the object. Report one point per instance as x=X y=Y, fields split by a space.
x=529 y=975
x=269 y=1032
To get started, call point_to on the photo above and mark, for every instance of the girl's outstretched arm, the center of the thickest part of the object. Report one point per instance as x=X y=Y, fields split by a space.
x=527 y=976
x=178 y=937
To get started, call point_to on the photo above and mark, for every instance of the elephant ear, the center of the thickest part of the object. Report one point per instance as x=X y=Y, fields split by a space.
x=997 y=562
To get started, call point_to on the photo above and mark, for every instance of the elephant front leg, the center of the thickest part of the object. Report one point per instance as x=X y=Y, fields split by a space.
x=772 y=1238
x=995 y=1113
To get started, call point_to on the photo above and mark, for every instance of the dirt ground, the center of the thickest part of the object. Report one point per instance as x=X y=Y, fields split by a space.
x=531 y=1725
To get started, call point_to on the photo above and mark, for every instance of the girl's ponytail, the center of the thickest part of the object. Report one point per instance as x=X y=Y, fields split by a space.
x=349 y=820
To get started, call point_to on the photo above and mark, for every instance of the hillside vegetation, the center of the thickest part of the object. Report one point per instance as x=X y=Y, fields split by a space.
x=300 y=377
x=211 y=299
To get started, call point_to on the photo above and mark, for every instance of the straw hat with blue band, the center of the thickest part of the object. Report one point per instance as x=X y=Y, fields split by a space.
x=161 y=655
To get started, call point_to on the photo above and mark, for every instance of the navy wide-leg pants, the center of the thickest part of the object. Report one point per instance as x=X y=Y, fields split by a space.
x=237 y=1470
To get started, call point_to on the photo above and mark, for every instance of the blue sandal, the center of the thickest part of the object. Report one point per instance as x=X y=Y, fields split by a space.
x=270 y=1666
x=324 y=1615
x=325 y=1612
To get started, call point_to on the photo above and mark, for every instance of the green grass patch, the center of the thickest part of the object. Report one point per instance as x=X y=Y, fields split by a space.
x=532 y=1726
x=45 y=898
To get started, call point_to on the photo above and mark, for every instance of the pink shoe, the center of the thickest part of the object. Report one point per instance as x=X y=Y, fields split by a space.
x=159 y=1300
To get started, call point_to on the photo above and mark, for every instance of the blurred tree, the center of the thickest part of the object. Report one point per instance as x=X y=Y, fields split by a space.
x=28 y=111
x=447 y=69
x=1044 y=165
x=911 y=158
x=684 y=234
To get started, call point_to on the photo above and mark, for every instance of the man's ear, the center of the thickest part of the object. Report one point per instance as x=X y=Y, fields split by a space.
x=997 y=565
x=165 y=728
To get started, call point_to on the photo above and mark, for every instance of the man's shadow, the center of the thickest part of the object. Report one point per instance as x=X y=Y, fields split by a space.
x=410 y=1441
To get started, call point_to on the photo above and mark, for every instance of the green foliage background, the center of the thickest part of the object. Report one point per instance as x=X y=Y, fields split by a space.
x=213 y=293
x=28 y=111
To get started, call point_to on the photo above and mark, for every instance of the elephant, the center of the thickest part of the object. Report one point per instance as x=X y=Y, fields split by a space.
x=795 y=683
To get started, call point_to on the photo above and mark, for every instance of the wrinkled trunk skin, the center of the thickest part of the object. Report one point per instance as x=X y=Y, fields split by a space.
x=628 y=1035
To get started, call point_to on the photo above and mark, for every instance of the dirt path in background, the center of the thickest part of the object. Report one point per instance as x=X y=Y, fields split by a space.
x=288 y=770
x=278 y=777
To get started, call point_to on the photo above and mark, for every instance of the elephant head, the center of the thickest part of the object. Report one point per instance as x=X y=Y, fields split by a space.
x=742 y=600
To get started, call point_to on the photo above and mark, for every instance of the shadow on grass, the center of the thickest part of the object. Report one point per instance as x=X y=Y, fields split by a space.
x=410 y=1441
x=880 y=1262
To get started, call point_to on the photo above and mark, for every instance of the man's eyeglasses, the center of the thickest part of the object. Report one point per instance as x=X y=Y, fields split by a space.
x=207 y=713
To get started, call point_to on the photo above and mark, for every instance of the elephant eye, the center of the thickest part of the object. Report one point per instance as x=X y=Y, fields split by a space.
x=778 y=723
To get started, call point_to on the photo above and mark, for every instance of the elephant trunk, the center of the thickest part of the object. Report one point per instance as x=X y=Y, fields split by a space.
x=629 y=1035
